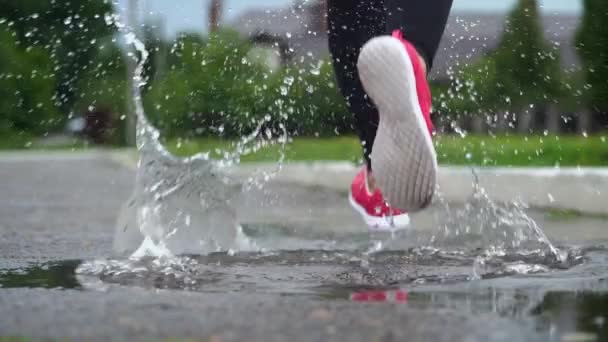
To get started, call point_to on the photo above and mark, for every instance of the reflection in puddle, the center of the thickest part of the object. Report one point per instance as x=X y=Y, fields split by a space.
x=569 y=312
x=560 y=315
x=565 y=303
x=379 y=296
x=49 y=275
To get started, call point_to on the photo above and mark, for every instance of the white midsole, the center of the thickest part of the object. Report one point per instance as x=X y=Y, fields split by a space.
x=382 y=223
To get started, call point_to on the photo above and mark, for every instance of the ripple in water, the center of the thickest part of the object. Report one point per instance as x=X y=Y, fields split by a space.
x=304 y=271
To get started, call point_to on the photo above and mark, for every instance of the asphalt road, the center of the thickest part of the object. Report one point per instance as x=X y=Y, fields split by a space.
x=57 y=208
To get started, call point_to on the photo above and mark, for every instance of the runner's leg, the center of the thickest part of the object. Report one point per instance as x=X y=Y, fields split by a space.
x=352 y=23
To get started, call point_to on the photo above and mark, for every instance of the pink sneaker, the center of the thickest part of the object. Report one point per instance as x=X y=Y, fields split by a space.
x=403 y=156
x=378 y=215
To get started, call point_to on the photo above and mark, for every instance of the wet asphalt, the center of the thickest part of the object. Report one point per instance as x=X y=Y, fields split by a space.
x=58 y=209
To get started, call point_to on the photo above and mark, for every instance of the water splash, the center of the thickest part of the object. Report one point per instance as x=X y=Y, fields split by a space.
x=493 y=229
x=183 y=205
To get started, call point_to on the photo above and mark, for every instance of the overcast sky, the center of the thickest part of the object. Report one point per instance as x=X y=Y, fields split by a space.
x=191 y=15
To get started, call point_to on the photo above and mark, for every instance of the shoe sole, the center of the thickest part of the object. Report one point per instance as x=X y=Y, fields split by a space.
x=380 y=224
x=403 y=157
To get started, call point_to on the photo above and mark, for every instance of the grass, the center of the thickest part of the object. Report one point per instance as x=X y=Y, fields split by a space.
x=513 y=150
x=562 y=214
x=301 y=149
x=523 y=150
x=21 y=141
x=454 y=150
x=13 y=141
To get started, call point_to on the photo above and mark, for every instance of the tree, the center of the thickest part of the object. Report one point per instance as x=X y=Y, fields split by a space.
x=217 y=86
x=26 y=87
x=210 y=87
x=157 y=48
x=527 y=70
x=68 y=30
x=592 y=44
x=522 y=71
x=102 y=89
x=474 y=90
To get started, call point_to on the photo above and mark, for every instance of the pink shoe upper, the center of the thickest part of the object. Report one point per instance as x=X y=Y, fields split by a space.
x=373 y=203
x=422 y=85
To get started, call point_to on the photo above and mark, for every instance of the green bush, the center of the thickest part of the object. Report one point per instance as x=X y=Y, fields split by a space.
x=528 y=71
x=308 y=100
x=27 y=88
x=215 y=87
x=592 y=44
x=474 y=90
x=68 y=31
x=523 y=70
x=210 y=87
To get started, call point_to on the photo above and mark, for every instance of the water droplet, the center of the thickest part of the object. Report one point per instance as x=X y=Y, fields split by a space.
x=288 y=80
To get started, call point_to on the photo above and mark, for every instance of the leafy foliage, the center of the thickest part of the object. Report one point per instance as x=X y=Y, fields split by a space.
x=58 y=57
x=592 y=43
x=522 y=70
x=67 y=30
x=103 y=88
x=529 y=70
x=216 y=87
x=26 y=87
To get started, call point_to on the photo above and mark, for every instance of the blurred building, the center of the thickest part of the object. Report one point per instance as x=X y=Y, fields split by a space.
x=298 y=34
x=302 y=30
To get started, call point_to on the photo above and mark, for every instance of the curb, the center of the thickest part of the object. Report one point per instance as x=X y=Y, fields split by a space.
x=583 y=190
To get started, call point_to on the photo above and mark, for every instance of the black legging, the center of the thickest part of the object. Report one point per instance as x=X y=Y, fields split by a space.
x=353 y=22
